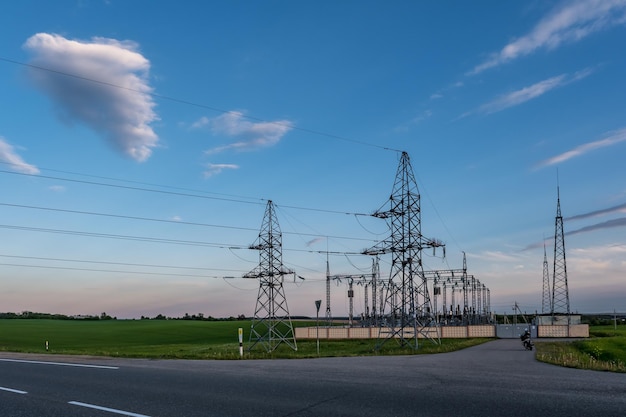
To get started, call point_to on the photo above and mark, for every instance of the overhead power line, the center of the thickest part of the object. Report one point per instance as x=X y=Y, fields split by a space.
x=118 y=263
x=234 y=199
x=155 y=239
x=120 y=216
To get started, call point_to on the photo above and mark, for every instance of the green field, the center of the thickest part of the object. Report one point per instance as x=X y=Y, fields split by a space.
x=189 y=339
x=605 y=350
x=180 y=339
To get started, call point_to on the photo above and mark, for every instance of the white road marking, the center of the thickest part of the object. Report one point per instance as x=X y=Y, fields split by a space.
x=78 y=365
x=110 y=410
x=15 y=391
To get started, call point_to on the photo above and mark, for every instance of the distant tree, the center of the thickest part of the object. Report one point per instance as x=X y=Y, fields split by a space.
x=105 y=316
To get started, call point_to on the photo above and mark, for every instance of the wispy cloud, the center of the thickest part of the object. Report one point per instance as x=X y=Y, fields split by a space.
x=247 y=135
x=214 y=169
x=615 y=209
x=613 y=138
x=9 y=156
x=609 y=224
x=314 y=241
x=118 y=105
x=569 y=22
x=406 y=126
x=536 y=90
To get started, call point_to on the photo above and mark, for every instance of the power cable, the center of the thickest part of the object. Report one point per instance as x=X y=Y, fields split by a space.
x=118 y=263
x=107 y=270
x=239 y=199
x=123 y=237
x=120 y=216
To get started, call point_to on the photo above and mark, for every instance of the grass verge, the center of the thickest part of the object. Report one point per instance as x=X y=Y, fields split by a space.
x=604 y=351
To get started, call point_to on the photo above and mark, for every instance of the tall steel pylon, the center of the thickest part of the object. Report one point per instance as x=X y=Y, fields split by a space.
x=407 y=306
x=546 y=301
x=271 y=324
x=560 y=292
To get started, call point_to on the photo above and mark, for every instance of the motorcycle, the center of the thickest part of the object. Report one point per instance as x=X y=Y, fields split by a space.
x=526 y=341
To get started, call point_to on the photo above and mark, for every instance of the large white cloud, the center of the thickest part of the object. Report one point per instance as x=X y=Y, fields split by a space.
x=102 y=83
x=9 y=156
x=569 y=22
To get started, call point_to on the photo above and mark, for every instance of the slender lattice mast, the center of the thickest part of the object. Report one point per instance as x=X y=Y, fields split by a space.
x=271 y=324
x=329 y=316
x=546 y=301
x=407 y=305
x=560 y=293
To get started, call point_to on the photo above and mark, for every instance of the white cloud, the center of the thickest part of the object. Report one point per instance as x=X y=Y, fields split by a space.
x=13 y=160
x=201 y=122
x=248 y=135
x=214 y=169
x=102 y=83
x=531 y=92
x=570 y=22
x=613 y=138
x=57 y=188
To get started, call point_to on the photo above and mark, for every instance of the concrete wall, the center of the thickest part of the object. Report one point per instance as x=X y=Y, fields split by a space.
x=513 y=331
x=503 y=331
x=448 y=332
x=575 y=330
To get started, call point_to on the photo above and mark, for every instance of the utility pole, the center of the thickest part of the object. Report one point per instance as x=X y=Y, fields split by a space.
x=271 y=324
x=407 y=304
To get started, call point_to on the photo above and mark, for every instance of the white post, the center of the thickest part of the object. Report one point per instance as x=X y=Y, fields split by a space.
x=241 y=342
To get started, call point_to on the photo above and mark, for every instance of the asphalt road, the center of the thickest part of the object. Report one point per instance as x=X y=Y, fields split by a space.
x=494 y=379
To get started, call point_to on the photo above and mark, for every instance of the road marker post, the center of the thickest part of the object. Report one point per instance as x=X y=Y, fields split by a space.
x=241 y=342
x=318 y=303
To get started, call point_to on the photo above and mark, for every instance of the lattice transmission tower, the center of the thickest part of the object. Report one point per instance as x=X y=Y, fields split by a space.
x=271 y=324
x=407 y=311
x=546 y=301
x=560 y=292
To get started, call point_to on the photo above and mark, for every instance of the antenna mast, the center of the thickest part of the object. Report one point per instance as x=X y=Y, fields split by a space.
x=546 y=302
x=560 y=293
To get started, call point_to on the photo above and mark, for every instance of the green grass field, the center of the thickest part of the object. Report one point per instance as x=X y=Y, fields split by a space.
x=605 y=350
x=180 y=339
x=186 y=339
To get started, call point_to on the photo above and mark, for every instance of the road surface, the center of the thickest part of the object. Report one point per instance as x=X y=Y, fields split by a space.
x=498 y=378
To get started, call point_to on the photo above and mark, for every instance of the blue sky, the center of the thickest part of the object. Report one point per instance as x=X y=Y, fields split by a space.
x=140 y=142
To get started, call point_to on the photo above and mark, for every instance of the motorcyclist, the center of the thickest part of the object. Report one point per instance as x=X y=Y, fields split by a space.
x=525 y=337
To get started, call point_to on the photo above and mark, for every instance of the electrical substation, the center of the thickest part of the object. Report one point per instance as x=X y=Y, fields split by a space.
x=412 y=304
x=408 y=306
